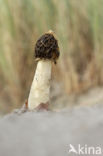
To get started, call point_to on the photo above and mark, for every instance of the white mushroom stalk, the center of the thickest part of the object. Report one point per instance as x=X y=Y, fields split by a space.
x=46 y=51
x=40 y=88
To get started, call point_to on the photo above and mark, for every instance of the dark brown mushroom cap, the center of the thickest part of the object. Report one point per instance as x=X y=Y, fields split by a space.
x=47 y=47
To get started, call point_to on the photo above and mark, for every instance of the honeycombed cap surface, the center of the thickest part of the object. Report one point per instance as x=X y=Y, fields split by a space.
x=47 y=47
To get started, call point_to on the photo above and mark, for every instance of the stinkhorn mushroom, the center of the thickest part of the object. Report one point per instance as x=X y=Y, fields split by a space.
x=46 y=52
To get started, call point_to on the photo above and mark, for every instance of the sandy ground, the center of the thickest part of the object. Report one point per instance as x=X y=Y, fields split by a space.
x=74 y=120
x=49 y=133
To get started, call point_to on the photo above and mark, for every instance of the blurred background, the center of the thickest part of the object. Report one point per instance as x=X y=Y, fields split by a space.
x=78 y=25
